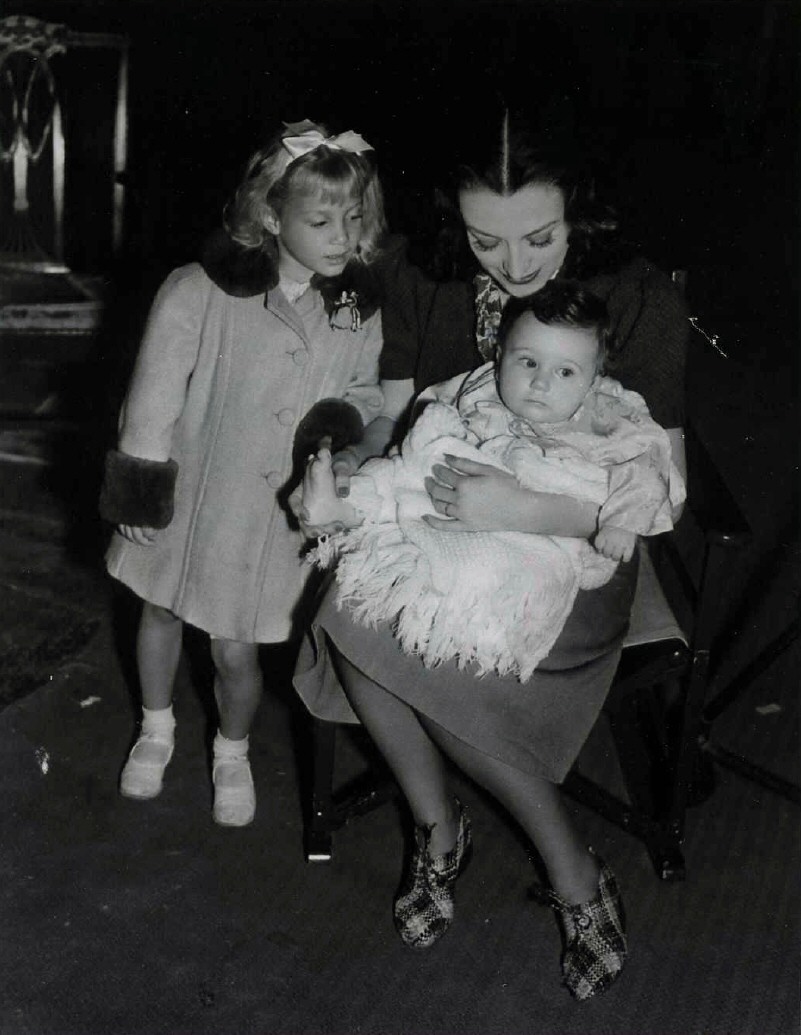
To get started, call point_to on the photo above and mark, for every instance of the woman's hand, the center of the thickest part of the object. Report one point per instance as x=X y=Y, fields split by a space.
x=344 y=464
x=139 y=535
x=377 y=436
x=473 y=497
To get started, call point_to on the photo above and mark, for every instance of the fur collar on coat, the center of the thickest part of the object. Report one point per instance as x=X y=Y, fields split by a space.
x=245 y=272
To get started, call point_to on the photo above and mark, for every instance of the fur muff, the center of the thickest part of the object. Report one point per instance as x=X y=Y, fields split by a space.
x=138 y=492
x=328 y=417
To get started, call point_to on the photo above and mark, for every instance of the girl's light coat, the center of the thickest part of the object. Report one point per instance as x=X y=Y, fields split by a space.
x=219 y=386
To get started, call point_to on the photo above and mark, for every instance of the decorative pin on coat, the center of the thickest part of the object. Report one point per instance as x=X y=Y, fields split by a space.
x=351 y=318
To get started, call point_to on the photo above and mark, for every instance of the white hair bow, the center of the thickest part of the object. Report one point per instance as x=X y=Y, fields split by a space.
x=303 y=137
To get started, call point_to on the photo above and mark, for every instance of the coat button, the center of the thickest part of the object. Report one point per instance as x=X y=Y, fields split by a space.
x=274 y=479
x=300 y=357
x=286 y=417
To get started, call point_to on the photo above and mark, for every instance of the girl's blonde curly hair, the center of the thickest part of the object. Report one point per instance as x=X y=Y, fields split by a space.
x=272 y=176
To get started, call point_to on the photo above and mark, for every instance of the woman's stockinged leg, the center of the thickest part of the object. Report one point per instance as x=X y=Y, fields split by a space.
x=538 y=807
x=585 y=895
x=238 y=685
x=158 y=652
x=415 y=760
x=423 y=908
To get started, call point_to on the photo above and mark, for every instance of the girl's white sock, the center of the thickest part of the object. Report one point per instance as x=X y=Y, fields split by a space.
x=226 y=750
x=160 y=721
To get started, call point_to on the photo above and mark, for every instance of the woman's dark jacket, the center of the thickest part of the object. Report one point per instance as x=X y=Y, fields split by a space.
x=429 y=329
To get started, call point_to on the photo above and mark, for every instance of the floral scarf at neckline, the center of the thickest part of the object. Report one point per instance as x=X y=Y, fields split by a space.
x=490 y=300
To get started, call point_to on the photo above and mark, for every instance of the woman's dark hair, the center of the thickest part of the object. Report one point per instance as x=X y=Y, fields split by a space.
x=505 y=157
x=562 y=303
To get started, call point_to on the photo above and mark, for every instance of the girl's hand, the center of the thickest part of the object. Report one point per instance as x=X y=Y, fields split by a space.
x=321 y=510
x=139 y=535
x=473 y=497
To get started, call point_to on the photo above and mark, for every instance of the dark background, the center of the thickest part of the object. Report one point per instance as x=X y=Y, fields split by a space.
x=691 y=108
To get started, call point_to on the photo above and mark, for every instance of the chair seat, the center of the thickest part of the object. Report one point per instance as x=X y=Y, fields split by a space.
x=652 y=619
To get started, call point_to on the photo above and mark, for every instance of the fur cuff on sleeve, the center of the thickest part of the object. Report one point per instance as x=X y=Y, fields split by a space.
x=138 y=492
x=333 y=417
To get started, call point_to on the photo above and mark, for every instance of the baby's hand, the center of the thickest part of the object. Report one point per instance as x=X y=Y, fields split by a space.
x=322 y=511
x=615 y=543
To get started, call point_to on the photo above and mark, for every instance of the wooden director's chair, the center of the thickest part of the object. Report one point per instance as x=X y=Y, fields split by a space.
x=655 y=705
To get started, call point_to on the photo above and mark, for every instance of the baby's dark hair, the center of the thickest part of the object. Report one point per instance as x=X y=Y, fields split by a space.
x=562 y=303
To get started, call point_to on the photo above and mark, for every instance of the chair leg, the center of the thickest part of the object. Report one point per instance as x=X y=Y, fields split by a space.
x=688 y=746
x=663 y=849
x=331 y=809
x=635 y=759
x=641 y=755
x=320 y=821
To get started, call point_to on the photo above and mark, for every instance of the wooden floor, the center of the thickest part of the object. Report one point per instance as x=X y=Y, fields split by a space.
x=139 y=918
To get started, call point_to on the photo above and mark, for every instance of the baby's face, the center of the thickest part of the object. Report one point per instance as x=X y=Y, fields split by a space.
x=545 y=371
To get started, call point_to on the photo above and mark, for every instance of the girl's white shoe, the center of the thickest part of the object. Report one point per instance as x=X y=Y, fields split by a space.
x=234 y=793
x=143 y=774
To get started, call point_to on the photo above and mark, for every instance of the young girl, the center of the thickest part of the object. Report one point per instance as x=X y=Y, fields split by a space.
x=497 y=601
x=280 y=320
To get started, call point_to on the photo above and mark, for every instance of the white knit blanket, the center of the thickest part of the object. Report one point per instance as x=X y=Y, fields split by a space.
x=495 y=600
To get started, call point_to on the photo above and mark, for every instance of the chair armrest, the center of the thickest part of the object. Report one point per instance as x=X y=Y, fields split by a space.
x=709 y=500
x=694 y=560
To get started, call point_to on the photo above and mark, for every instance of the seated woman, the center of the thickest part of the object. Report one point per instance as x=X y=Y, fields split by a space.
x=528 y=217
x=542 y=410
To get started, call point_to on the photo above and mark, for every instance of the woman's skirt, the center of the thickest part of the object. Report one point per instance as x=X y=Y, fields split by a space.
x=538 y=726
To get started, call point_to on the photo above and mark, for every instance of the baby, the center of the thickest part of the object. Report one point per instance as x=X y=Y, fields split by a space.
x=544 y=412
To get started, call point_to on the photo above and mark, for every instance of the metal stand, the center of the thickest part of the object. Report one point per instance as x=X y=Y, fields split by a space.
x=755 y=668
